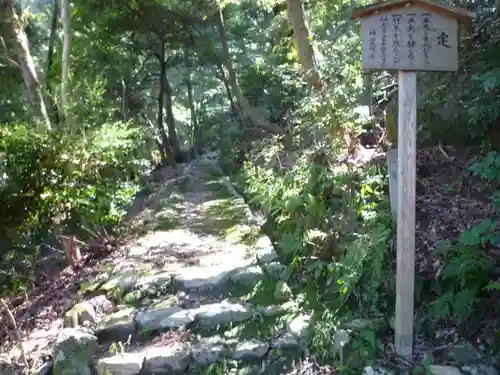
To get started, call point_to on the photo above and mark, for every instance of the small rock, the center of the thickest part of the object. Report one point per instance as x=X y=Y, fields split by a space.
x=208 y=350
x=166 y=359
x=157 y=282
x=300 y=326
x=265 y=250
x=270 y=311
x=125 y=281
x=444 y=370
x=118 y=326
x=73 y=352
x=202 y=278
x=163 y=317
x=286 y=341
x=248 y=275
x=282 y=291
x=221 y=313
x=369 y=370
x=122 y=364
x=251 y=349
x=101 y=304
x=341 y=338
x=78 y=314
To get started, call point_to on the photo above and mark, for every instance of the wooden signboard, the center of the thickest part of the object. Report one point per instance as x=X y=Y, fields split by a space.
x=408 y=36
x=411 y=38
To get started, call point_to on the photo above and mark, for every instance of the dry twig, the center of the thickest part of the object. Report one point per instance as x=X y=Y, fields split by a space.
x=17 y=333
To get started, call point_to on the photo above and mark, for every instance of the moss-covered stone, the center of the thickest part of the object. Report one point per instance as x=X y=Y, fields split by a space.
x=74 y=351
x=79 y=314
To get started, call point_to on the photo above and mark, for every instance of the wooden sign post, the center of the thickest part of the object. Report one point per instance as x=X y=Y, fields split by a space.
x=409 y=36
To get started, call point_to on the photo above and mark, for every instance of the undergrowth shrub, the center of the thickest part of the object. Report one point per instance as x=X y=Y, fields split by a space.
x=466 y=277
x=54 y=182
x=331 y=224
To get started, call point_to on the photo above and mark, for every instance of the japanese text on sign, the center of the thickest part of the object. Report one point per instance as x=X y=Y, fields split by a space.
x=410 y=39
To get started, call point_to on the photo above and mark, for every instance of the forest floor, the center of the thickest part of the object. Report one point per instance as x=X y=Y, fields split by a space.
x=197 y=276
x=450 y=201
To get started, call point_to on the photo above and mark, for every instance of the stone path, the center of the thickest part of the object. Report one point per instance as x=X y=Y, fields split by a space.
x=200 y=291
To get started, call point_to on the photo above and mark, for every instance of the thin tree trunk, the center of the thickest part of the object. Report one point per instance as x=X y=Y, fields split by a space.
x=301 y=35
x=50 y=62
x=19 y=41
x=66 y=55
x=170 y=159
x=228 y=88
x=172 y=132
x=124 y=101
x=248 y=110
x=157 y=141
x=52 y=41
x=194 y=121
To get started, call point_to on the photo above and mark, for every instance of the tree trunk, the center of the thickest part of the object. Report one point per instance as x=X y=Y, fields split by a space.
x=66 y=55
x=248 y=110
x=124 y=101
x=194 y=121
x=17 y=38
x=305 y=50
x=50 y=61
x=52 y=41
x=228 y=89
x=170 y=159
x=172 y=132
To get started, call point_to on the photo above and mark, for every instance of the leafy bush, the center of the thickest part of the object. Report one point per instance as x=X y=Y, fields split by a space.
x=466 y=266
x=331 y=225
x=53 y=182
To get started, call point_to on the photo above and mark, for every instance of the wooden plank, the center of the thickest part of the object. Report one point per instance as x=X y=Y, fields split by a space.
x=411 y=38
x=405 y=276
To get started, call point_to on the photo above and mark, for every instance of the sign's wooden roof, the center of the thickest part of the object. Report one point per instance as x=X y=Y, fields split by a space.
x=460 y=14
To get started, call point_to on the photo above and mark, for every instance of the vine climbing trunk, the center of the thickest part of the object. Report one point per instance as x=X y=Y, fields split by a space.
x=17 y=39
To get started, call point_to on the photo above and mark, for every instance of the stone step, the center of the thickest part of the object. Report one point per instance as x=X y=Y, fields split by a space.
x=140 y=324
x=134 y=282
x=193 y=357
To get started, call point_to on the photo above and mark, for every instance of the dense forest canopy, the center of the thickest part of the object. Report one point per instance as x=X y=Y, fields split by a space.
x=96 y=94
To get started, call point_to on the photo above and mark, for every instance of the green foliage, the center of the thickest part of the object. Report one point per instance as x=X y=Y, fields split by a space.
x=53 y=182
x=467 y=267
x=463 y=106
x=331 y=224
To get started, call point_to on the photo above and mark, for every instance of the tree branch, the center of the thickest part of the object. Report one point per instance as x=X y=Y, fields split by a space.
x=4 y=49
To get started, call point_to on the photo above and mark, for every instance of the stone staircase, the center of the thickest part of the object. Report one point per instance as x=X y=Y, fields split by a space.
x=200 y=291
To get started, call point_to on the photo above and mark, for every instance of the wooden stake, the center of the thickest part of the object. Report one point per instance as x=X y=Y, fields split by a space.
x=407 y=150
